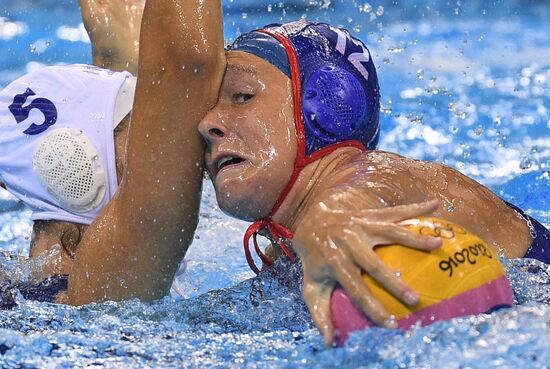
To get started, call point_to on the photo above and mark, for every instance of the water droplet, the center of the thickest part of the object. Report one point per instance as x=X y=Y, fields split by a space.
x=526 y=163
x=415 y=119
x=395 y=49
x=460 y=114
x=380 y=11
x=386 y=110
x=478 y=131
x=434 y=90
x=366 y=8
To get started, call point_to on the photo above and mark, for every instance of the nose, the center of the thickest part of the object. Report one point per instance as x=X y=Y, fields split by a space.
x=212 y=128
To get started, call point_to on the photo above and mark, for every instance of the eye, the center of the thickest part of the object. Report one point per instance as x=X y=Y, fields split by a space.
x=241 y=98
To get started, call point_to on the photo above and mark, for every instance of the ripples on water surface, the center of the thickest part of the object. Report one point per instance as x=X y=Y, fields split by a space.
x=465 y=84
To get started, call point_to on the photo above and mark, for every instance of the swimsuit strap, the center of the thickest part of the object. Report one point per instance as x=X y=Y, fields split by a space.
x=278 y=232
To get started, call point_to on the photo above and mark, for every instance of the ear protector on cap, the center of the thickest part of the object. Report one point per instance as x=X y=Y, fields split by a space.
x=67 y=164
x=333 y=103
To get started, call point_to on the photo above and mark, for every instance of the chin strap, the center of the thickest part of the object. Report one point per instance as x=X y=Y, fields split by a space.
x=277 y=231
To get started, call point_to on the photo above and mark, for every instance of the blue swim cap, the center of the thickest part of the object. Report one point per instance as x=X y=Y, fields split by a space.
x=336 y=100
x=339 y=92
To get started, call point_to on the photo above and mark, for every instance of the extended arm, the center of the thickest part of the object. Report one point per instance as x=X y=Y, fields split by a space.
x=134 y=246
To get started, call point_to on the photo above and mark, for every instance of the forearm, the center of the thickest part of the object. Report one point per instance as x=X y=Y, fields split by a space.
x=135 y=246
x=179 y=77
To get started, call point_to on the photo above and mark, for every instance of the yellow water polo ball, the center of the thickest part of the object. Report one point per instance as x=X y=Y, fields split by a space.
x=463 y=277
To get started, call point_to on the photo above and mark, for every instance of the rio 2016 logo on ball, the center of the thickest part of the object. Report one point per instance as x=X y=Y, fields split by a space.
x=463 y=277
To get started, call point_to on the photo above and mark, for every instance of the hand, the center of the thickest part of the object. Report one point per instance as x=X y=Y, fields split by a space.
x=335 y=246
x=113 y=27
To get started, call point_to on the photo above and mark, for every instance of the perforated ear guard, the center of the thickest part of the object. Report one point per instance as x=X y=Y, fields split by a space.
x=68 y=165
x=333 y=103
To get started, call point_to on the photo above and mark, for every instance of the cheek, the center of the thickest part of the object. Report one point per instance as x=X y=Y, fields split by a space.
x=278 y=135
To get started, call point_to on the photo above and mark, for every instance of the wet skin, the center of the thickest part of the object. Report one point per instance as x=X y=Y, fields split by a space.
x=250 y=137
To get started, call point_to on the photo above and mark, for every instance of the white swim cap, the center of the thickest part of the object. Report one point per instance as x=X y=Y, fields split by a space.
x=56 y=139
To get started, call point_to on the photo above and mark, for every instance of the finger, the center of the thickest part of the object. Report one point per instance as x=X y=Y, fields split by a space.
x=400 y=212
x=351 y=280
x=371 y=264
x=317 y=298
x=389 y=233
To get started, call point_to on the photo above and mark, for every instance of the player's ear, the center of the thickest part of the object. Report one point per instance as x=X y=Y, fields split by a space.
x=70 y=238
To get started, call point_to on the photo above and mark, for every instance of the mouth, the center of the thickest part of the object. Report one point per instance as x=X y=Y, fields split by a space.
x=227 y=161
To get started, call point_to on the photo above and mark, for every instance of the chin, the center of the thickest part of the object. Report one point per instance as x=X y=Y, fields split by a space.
x=244 y=207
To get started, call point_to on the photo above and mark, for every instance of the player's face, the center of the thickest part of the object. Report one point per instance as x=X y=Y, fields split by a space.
x=250 y=136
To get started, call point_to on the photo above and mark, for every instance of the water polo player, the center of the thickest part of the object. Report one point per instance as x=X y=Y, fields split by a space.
x=67 y=168
x=289 y=145
x=45 y=166
x=152 y=240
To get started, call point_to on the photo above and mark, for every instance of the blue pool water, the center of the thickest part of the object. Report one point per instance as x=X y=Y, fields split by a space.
x=464 y=84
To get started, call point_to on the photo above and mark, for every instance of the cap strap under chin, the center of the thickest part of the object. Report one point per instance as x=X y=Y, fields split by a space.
x=278 y=232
